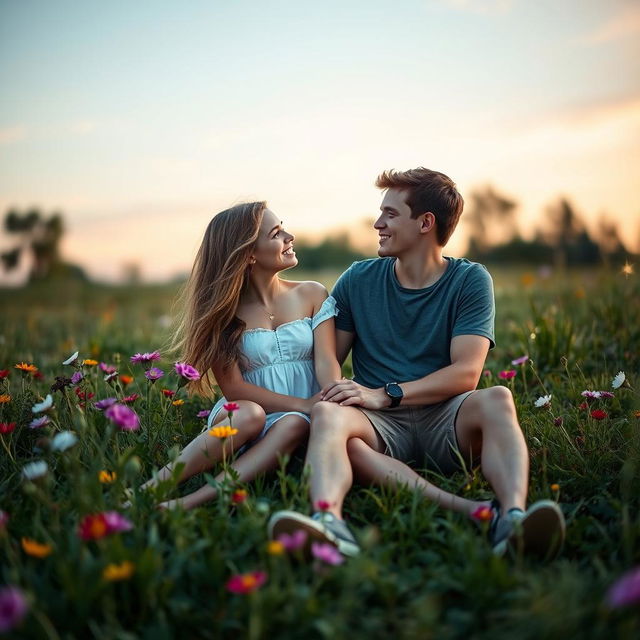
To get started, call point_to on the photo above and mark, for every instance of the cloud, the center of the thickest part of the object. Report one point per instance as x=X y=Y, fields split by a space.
x=624 y=24
x=13 y=134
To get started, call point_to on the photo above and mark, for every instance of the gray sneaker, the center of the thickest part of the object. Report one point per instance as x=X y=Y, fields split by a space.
x=321 y=527
x=537 y=532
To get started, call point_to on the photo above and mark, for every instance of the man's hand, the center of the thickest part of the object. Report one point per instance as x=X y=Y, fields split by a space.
x=348 y=393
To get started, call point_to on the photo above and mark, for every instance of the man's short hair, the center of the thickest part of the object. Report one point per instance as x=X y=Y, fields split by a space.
x=428 y=191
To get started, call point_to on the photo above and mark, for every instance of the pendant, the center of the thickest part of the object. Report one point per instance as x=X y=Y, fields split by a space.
x=271 y=316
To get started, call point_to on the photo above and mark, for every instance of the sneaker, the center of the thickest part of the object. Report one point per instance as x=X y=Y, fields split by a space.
x=321 y=527
x=537 y=532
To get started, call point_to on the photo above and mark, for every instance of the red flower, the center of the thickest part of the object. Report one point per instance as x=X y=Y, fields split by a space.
x=93 y=527
x=507 y=375
x=482 y=514
x=239 y=496
x=558 y=421
x=7 y=427
x=583 y=406
x=83 y=395
x=38 y=375
x=168 y=393
x=230 y=407
x=244 y=583
x=599 y=414
x=130 y=399
x=4 y=373
x=323 y=505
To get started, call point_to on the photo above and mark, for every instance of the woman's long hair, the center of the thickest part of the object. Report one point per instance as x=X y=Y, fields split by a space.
x=208 y=330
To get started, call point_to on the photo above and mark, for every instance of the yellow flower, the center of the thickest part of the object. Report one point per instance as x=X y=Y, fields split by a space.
x=36 y=549
x=89 y=363
x=555 y=487
x=178 y=403
x=4 y=398
x=627 y=269
x=275 y=548
x=27 y=368
x=223 y=431
x=122 y=571
x=107 y=477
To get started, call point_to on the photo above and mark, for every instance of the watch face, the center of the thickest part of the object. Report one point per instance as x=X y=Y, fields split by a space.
x=393 y=390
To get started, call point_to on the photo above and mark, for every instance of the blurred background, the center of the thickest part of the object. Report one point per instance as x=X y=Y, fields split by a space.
x=125 y=126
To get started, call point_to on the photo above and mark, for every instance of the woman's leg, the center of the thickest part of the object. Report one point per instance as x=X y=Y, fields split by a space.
x=205 y=450
x=282 y=438
x=377 y=468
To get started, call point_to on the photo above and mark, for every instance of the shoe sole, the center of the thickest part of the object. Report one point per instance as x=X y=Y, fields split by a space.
x=540 y=533
x=290 y=521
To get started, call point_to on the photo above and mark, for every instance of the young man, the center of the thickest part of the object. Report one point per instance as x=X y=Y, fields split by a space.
x=420 y=326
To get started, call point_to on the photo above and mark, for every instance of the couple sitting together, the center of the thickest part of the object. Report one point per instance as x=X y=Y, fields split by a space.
x=419 y=326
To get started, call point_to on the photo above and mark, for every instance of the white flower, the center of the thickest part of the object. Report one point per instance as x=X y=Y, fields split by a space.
x=543 y=401
x=71 y=359
x=618 y=381
x=63 y=441
x=35 y=470
x=45 y=405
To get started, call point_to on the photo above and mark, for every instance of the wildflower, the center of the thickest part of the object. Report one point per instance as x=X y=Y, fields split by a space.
x=153 y=374
x=294 y=541
x=558 y=421
x=36 y=549
x=104 y=404
x=125 y=379
x=4 y=398
x=482 y=514
x=231 y=407
x=203 y=414
x=244 y=583
x=323 y=505
x=627 y=269
x=45 y=405
x=13 y=608
x=187 y=372
x=222 y=432
x=71 y=359
x=116 y=522
x=520 y=360
x=168 y=393
x=26 y=368
x=143 y=358
x=89 y=362
x=107 y=368
x=110 y=376
x=555 y=487
x=83 y=395
x=507 y=374
x=239 y=496
x=543 y=401
x=275 y=548
x=326 y=553
x=130 y=399
x=60 y=383
x=599 y=414
x=583 y=405
x=125 y=418
x=35 y=470
x=107 y=477
x=76 y=377
x=63 y=441
x=7 y=427
x=625 y=590
x=178 y=403
x=486 y=373
x=4 y=373
x=636 y=414
x=619 y=380
x=115 y=572
x=38 y=375
x=607 y=394
x=591 y=395
x=93 y=527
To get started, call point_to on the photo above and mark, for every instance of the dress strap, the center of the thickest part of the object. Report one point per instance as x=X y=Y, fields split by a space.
x=326 y=311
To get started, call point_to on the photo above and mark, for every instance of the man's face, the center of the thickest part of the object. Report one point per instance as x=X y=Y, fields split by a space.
x=398 y=232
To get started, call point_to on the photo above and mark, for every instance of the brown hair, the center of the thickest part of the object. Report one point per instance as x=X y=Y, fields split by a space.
x=428 y=191
x=209 y=331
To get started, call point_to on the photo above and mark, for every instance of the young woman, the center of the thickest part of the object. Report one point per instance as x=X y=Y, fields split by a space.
x=269 y=344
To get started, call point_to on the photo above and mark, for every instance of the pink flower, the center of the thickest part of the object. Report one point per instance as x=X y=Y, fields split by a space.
x=116 y=522
x=625 y=590
x=153 y=374
x=482 y=514
x=130 y=399
x=37 y=423
x=143 y=358
x=230 y=407
x=98 y=525
x=326 y=553
x=107 y=368
x=486 y=373
x=607 y=394
x=244 y=583
x=204 y=413
x=294 y=541
x=104 y=404
x=507 y=375
x=520 y=360
x=125 y=418
x=187 y=372
x=8 y=427
x=13 y=608
x=323 y=505
x=591 y=395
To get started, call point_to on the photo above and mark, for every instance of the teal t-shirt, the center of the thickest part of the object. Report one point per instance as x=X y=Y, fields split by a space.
x=405 y=334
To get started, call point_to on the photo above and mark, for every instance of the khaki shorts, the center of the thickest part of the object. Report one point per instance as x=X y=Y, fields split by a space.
x=422 y=436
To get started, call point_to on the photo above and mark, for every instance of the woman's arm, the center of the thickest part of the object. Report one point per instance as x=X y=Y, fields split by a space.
x=324 y=353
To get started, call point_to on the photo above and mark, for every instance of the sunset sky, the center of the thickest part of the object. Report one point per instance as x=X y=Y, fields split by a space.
x=139 y=120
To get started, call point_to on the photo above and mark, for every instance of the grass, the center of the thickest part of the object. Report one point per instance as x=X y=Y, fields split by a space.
x=424 y=572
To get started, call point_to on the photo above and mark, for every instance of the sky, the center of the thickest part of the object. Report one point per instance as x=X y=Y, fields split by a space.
x=139 y=121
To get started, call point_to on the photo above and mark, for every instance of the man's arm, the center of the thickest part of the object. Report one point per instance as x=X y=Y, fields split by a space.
x=468 y=354
x=344 y=340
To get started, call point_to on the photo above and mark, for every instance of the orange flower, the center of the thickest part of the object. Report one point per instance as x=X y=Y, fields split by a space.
x=275 y=548
x=239 y=496
x=636 y=414
x=482 y=514
x=122 y=571
x=178 y=403
x=27 y=368
x=4 y=398
x=555 y=487
x=222 y=432
x=89 y=362
x=36 y=549
x=107 y=477
x=125 y=379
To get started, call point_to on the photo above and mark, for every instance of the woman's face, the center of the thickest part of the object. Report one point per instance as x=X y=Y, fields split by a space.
x=274 y=247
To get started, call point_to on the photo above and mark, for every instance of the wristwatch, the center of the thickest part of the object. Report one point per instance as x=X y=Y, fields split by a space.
x=394 y=391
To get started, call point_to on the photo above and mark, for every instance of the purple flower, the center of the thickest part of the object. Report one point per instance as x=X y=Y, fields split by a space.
x=116 y=522
x=107 y=368
x=592 y=395
x=104 y=404
x=294 y=541
x=76 y=377
x=606 y=394
x=153 y=374
x=141 y=358
x=13 y=607
x=625 y=590
x=520 y=360
x=123 y=417
x=36 y=423
x=326 y=553
x=204 y=413
x=187 y=372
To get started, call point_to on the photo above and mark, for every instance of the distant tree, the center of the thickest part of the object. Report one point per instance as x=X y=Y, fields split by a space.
x=491 y=220
x=333 y=252
x=611 y=246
